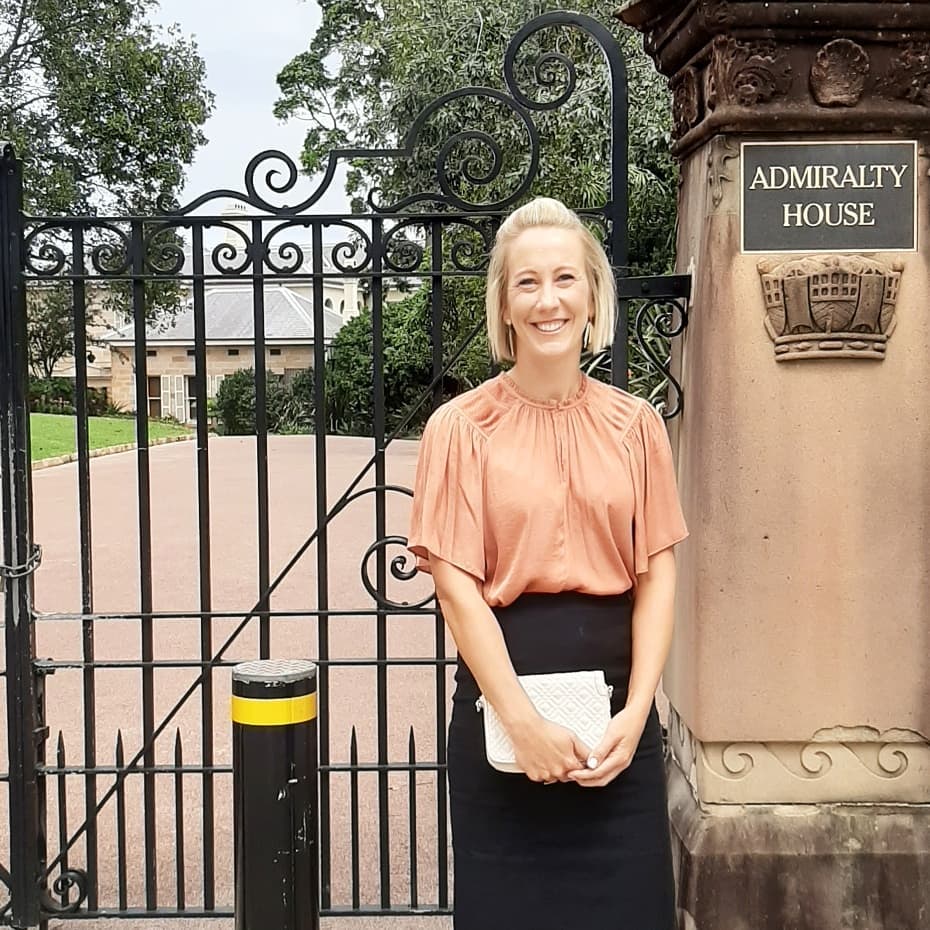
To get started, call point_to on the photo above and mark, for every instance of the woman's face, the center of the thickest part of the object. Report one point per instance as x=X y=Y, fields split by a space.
x=547 y=293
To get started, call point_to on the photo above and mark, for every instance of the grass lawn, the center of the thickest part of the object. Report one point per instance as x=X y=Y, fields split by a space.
x=53 y=434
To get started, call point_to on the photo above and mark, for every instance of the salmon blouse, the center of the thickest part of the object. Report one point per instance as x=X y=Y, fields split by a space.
x=530 y=495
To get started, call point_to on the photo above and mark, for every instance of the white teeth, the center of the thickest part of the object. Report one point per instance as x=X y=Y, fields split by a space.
x=552 y=327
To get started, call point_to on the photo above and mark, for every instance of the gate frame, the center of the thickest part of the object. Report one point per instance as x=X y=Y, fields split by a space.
x=20 y=556
x=31 y=902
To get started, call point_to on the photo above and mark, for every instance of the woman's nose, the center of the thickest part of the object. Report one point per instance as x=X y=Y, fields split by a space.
x=547 y=295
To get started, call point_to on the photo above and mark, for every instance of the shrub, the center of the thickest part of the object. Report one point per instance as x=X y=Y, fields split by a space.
x=235 y=403
x=51 y=395
x=288 y=409
x=57 y=395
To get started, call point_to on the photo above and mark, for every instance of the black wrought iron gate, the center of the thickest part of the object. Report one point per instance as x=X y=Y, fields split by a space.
x=117 y=788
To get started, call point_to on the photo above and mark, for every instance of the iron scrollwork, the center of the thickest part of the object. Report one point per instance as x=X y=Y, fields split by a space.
x=657 y=322
x=352 y=255
x=472 y=157
x=403 y=568
x=400 y=565
x=227 y=259
x=55 y=901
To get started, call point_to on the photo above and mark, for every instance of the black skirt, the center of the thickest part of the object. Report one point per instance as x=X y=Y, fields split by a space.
x=529 y=856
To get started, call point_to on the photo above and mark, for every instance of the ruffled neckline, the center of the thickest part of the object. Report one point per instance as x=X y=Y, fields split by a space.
x=516 y=391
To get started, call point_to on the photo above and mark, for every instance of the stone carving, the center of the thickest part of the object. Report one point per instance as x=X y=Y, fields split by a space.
x=851 y=764
x=830 y=306
x=808 y=62
x=717 y=14
x=838 y=74
x=686 y=104
x=909 y=75
x=683 y=747
x=722 y=150
x=745 y=73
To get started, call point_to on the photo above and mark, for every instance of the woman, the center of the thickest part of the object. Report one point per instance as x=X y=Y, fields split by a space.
x=546 y=510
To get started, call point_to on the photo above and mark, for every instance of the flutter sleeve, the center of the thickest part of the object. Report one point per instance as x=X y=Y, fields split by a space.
x=447 y=518
x=657 y=518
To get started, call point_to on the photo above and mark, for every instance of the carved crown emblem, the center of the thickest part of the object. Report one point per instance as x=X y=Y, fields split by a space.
x=830 y=306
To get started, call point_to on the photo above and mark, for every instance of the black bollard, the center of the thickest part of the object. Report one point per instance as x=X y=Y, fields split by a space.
x=275 y=795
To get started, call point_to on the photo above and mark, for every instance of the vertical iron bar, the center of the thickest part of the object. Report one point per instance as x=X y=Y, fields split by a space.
x=206 y=591
x=179 y=817
x=617 y=211
x=442 y=862
x=137 y=246
x=16 y=486
x=353 y=821
x=42 y=784
x=261 y=436
x=322 y=554
x=436 y=310
x=412 y=816
x=377 y=360
x=120 y=823
x=62 y=811
x=86 y=555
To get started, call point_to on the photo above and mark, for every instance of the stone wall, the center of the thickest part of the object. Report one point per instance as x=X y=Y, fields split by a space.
x=175 y=362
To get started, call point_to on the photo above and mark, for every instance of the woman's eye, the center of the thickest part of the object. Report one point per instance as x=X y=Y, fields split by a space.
x=566 y=277
x=523 y=282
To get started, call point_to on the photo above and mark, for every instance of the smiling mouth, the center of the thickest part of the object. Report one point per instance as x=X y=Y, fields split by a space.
x=551 y=326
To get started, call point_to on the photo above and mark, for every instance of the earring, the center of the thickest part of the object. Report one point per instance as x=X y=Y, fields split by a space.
x=586 y=336
x=510 y=341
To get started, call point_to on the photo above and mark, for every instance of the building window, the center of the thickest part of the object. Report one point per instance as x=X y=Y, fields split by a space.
x=151 y=353
x=232 y=351
x=274 y=351
x=154 y=394
x=191 y=399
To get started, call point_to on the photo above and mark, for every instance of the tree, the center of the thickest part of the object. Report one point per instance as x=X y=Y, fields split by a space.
x=374 y=64
x=50 y=333
x=104 y=111
x=407 y=364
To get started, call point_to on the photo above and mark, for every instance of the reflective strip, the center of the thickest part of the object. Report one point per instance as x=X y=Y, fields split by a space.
x=273 y=712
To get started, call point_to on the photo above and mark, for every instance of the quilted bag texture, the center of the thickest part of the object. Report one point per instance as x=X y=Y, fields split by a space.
x=578 y=701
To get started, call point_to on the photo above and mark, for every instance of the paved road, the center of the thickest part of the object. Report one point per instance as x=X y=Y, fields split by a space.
x=234 y=560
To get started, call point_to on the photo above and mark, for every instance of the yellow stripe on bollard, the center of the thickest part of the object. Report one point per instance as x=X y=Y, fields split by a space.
x=273 y=712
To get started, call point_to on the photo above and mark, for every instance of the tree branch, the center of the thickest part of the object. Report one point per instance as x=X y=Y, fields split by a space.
x=13 y=108
x=17 y=34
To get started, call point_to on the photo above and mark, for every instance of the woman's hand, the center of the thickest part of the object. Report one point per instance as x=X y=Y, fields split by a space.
x=614 y=752
x=547 y=752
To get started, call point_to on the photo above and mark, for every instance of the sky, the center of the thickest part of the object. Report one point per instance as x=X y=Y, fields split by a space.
x=245 y=44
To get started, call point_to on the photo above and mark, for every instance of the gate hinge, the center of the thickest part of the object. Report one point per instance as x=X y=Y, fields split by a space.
x=21 y=571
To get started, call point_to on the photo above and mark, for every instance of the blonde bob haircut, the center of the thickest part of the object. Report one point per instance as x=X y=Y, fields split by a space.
x=545 y=211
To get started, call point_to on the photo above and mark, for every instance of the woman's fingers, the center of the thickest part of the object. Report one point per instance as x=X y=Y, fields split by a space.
x=603 y=769
x=551 y=754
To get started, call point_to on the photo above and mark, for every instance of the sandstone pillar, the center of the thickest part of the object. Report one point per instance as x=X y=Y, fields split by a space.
x=799 y=679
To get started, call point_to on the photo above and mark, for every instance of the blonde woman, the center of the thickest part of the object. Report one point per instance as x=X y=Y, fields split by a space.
x=545 y=508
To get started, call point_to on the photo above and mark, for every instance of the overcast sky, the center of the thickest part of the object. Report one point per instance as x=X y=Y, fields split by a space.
x=245 y=44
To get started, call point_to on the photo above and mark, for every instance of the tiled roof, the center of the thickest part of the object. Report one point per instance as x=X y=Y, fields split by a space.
x=229 y=317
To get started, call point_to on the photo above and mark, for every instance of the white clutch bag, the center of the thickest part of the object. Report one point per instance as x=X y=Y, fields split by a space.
x=578 y=701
